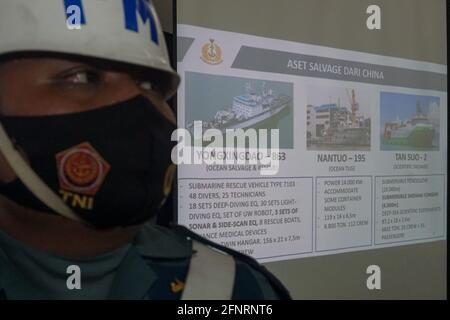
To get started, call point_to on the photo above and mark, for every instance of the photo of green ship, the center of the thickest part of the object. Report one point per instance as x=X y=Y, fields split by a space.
x=409 y=122
x=338 y=119
x=226 y=102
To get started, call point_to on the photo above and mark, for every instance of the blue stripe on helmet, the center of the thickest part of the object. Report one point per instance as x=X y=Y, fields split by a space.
x=131 y=8
x=79 y=4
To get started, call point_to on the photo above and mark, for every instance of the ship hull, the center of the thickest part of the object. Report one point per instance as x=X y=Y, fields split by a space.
x=421 y=137
x=349 y=136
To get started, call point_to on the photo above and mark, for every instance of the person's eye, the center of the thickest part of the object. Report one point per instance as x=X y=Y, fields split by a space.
x=83 y=77
x=79 y=76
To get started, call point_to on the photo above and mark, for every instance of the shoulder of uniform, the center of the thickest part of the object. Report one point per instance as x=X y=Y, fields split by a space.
x=247 y=267
x=159 y=242
x=3 y=271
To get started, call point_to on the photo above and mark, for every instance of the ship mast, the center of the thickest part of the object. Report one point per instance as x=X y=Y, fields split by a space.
x=248 y=88
x=354 y=106
x=418 y=110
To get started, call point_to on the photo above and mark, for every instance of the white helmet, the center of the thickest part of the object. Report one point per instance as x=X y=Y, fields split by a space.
x=126 y=31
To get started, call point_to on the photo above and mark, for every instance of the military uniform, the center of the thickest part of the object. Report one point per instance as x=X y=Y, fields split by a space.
x=126 y=147
x=153 y=267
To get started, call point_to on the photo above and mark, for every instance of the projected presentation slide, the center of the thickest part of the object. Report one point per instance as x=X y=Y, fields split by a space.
x=361 y=146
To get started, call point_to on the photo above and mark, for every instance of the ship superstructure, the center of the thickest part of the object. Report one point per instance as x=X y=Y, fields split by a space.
x=333 y=124
x=248 y=110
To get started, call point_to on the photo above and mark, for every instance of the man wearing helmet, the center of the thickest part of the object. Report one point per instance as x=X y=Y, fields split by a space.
x=85 y=162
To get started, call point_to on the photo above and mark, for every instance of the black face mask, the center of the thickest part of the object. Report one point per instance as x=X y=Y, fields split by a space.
x=111 y=165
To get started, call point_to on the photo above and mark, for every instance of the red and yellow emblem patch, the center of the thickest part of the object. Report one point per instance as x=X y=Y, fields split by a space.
x=81 y=169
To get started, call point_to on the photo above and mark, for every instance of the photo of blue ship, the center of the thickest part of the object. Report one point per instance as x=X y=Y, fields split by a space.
x=225 y=102
x=338 y=119
x=409 y=122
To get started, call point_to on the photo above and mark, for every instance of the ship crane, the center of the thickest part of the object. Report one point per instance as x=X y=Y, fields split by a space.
x=354 y=106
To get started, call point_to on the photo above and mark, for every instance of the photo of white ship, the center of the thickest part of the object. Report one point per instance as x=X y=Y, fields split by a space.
x=242 y=104
x=342 y=123
x=409 y=122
